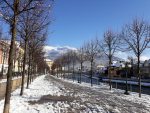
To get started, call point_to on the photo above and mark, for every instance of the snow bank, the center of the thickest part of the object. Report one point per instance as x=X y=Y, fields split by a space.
x=133 y=97
x=41 y=87
x=37 y=89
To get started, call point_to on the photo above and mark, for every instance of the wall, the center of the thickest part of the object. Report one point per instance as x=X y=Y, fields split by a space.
x=16 y=83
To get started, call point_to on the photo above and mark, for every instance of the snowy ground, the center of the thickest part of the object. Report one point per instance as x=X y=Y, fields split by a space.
x=49 y=94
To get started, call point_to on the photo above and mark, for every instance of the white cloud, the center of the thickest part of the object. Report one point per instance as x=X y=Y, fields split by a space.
x=124 y=56
x=50 y=48
x=58 y=47
x=55 y=51
x=121 y=55
x=72 y=48
x=143 y=58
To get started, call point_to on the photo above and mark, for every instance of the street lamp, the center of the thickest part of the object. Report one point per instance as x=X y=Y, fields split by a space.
x=79 y=76
x=126 y=90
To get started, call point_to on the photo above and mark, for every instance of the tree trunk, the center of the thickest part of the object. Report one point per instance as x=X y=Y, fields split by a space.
x=32 y=69
x=139 y=75
x=18 y=66
x=73 y=71
x=14 y=66
x=64 y=72
x=91 y=73
x=3 y=64
x=68 y=69
x=60 y=71
x=81 y=71
x=109 y=73
x=10 y=60
x=24 y=64
x=57 y=71
x=29 y=72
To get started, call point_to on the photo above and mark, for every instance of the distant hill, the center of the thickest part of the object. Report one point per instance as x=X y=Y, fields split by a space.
x=52 y=52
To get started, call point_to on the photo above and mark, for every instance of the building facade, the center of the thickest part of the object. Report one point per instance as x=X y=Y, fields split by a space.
x=4 y=54
x=145 y=69
x=49 y=63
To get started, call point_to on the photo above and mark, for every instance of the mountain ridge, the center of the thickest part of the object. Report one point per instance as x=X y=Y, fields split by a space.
x=52 y=52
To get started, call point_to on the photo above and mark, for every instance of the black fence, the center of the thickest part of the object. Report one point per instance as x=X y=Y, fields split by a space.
x=115 y=84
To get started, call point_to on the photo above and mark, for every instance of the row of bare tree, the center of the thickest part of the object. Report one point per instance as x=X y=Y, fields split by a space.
x=134 y=37
x=28 y=20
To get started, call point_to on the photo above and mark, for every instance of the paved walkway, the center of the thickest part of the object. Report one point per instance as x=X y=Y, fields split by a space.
x=99 y=100
x=48 y=94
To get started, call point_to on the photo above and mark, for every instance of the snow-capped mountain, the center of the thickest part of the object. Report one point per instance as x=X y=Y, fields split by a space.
x=52 y=52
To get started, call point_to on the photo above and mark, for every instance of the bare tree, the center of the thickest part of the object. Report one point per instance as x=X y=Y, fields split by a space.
x=31 y=22
x=81 y=59
x=64 y=63
x=39 y=62
x=91 y=51
x=137 y=37
x=58 y=65
x=72 y=58
x=61 y=65
x=36 y=45
x=109 y=45
x=68 y=60
x=10 y=11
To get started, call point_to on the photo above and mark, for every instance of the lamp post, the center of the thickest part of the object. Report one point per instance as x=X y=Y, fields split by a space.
x=126 y=90
x=79 y=76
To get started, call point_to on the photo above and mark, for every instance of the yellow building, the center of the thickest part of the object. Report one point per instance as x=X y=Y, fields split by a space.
x=19 y=59
x=49 y=63
x=18 y=56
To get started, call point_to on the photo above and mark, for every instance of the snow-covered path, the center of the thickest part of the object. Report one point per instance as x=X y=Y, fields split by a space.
x=100 y=99
x=37 y=89
x=48 y=94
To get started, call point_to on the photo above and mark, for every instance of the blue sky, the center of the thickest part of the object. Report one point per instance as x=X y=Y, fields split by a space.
x=77 y=21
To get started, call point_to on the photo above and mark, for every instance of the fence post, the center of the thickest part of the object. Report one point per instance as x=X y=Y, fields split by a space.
x=116 y=85
x=130 y=87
